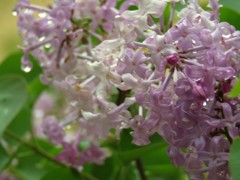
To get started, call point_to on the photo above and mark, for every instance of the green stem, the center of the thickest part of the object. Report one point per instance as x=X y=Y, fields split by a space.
x=45 y=155
x=140 y=169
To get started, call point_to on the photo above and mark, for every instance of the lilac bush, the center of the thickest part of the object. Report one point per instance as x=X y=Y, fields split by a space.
x=104 y=57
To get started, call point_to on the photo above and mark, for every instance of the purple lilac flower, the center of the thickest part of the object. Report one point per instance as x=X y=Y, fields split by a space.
x=180 y=75
x=52 y=130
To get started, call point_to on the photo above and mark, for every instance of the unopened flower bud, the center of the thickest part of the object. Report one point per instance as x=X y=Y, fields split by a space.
x=173 y=59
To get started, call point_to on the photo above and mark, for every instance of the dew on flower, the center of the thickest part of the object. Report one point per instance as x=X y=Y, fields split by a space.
x=68 y=127
x=47 y=45
x=49 y=22
x=38 y=113
x=42 y=38
x=204 y=103
x=42 y=15
x=27 y=11
x=226 y=35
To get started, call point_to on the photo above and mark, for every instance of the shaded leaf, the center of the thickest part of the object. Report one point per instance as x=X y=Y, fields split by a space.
x=13 y=95
x=131 y=155
x=234 y=159
x=4 y=157
x=107 y=171
x=231 y=4
x=20 y=125
x=129 y=152
x=230 y=16
x=235 y=90
x=61 y=174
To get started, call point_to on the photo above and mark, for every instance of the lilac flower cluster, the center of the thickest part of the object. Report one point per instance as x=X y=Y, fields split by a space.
x=177 y=75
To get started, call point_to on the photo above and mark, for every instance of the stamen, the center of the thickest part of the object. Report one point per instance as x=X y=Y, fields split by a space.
x=199 y=48
x=84 y=57
x=192 y=62
x=167 y=80
x=99 y=37
x=162 y=24
x=144 y=45
x=140 y=111
x=84 y=83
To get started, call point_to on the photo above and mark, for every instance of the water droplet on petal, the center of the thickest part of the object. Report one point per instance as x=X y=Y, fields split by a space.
x=226 y=35
x=47 y=46
x=42 y=38
x=204 y=103
x=68 y=127
x=73 y=103
x=123 y=125
x=14 y=13
x=26 y=68
x=27 y=11
x=49 y=22
x=42 y=15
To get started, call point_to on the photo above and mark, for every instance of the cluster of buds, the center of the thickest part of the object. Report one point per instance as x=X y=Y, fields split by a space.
x=103 y=57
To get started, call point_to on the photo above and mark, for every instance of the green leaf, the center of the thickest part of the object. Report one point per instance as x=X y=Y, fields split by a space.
x=158 y=157
x=4 y=157
x=235 y=90
x=164 y=171
x=125 y=143
x=234 y=159
x=29 y=165
x=108 y=170
x=35 y=88
x=32 y=165
x=231 y=4
x=13 y=95
x=111 y=169
x=131 y=155
x=12 y=65
x=61 y=174
x=129 y=152
x=20 y=125
x=158 y=164
x=47 y=146
x=231 y=16
x=126 y=140
x=129 y=172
